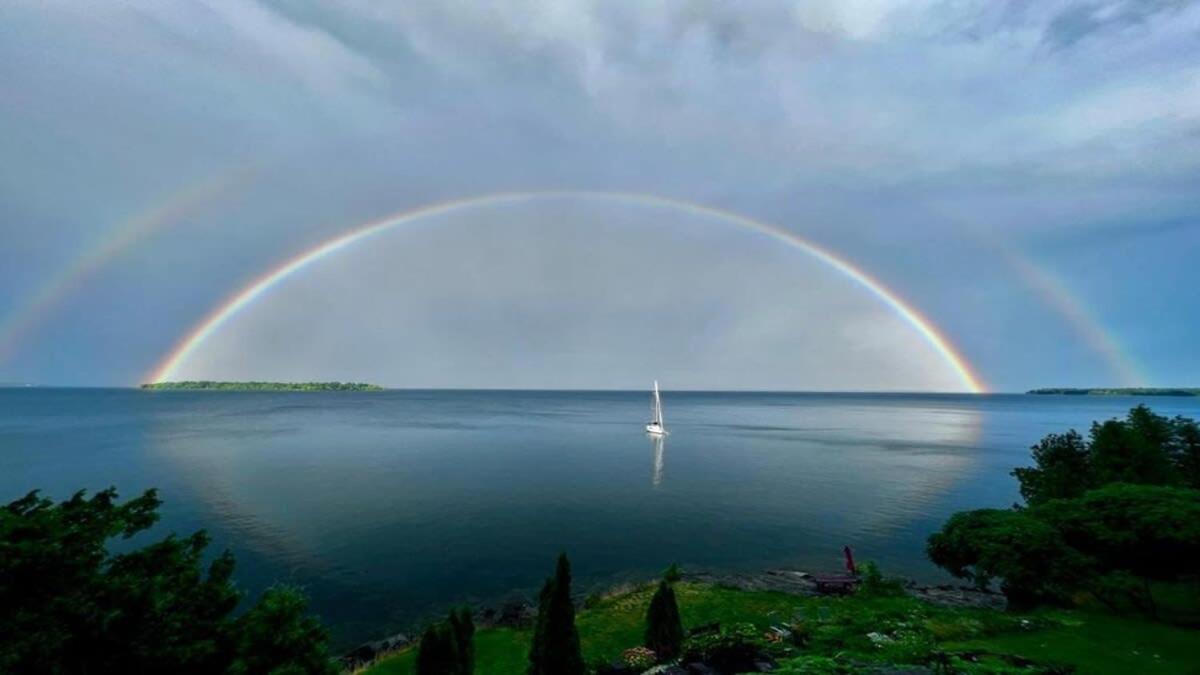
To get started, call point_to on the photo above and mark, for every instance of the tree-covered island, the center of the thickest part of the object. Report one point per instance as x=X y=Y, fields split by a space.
x=210 y=385
x=1117 y=391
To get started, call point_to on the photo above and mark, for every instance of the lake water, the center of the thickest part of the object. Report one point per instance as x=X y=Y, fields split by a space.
x=389 y=506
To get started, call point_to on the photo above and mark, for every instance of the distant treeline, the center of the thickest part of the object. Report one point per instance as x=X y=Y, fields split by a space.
x=1119 y=391
x=264 y=386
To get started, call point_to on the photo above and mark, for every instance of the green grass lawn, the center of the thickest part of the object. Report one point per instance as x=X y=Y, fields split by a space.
x=616 y=623
x=1092 y=642
x=1100 y=643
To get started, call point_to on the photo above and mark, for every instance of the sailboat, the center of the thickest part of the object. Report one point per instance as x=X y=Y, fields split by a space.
x=656 y=417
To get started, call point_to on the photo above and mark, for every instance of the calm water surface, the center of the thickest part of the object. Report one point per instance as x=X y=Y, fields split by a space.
x=389 y=506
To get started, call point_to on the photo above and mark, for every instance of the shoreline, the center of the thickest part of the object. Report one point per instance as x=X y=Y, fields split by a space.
x=519 y=614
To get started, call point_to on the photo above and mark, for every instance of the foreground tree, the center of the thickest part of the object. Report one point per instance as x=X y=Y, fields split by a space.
x=555 y=649
x=1062 y=469
x=70 y=606
x=1144 y=449
x=463 y=627
x=664 y=629
x=1185 y=451
x=448 y=648
x=438 y=652
x=1027 y=556
x=278 y=636
x=1108 y=516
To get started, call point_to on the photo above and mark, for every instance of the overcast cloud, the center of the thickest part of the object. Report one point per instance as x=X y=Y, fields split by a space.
x=929 y=142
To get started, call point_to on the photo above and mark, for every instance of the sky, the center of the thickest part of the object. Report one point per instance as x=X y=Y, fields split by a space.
x=1021 y=177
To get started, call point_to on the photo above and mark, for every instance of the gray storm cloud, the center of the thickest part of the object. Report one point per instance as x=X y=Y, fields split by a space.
x=892 y=132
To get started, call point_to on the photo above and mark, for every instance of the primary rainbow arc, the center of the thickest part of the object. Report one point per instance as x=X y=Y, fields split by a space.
x=168 y=365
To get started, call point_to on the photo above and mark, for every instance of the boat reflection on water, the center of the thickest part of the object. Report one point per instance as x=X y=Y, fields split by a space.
x=657 y=443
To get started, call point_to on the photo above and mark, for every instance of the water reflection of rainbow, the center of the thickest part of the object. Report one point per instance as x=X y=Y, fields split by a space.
x=263 y=284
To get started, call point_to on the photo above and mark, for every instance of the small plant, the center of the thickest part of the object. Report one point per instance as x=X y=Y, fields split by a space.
x=639 y=657
x=592 y=600
x=874 y=584
x=734 y=649
x=801 y=632
x=673 y=574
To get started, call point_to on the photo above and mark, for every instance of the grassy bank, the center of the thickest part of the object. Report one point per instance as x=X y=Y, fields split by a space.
x=838 y=634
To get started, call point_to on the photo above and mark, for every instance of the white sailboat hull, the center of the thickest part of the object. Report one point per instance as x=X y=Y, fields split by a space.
x=656 y=429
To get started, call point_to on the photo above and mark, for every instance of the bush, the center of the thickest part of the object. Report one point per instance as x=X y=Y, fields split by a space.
x=640 y=658
x=733 y=649
x=874 y=584
x=673 y=574
x=1107 y=516
x=1143 y=449
x=71 y=606
x=1028 y=556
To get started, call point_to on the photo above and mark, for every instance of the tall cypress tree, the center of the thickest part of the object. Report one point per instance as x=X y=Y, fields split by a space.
x=539 y=628
x=664 y=629
x=555 y=649
x=428 y=652
x=463 y=627
x=438 y=653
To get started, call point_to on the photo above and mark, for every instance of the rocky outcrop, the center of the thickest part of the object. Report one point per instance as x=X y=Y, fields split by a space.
x=802 y=583
x=368 y=652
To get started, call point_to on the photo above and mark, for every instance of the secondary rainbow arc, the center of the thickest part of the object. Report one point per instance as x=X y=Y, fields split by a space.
x=38 y=307
x=260 y=286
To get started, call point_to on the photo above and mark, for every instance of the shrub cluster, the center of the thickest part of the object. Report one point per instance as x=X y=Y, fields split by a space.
x=72 y=606
x=1107 y=517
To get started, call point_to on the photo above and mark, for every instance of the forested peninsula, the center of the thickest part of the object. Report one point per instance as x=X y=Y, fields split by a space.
x=1118 y=391
x=209 y=385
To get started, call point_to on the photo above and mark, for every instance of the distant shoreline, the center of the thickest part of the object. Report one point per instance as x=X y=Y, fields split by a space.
x=208 y=385
x=1118 y=391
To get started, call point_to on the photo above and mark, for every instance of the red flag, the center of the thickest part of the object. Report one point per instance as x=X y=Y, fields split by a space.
x=849 y=560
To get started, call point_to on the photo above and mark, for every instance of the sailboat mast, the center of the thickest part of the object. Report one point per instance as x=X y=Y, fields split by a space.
x=658 y=417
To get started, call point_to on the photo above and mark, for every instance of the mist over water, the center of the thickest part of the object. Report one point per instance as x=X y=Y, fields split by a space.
x=389 y=506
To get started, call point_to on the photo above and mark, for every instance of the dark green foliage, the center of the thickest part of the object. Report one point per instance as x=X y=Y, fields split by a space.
x=439 y=652
x=1063 y=468
x=673 y=574
x=1185 y=451
x=278 y=635
x=448 y=648
x=1144 y=448
x=1025 y=553
x=1107 y=516
x=1133 y=450
x=874 y=584
x=664 y=629
x=209 y=385
x=555 y=649
x=1131 y=534
x=733 y=649
x=69 y=606
x=463 y=626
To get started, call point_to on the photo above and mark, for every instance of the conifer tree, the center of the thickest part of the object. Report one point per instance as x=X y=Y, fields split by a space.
x=664 y=629
x=438 y=652
x=427 y=652
x=463 y=627
x=555 y=649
